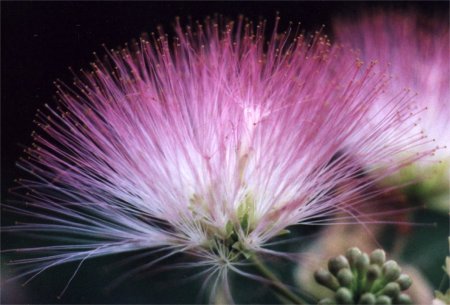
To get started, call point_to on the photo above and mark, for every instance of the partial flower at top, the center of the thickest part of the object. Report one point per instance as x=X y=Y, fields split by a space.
x=415 y=50
x=210 y=145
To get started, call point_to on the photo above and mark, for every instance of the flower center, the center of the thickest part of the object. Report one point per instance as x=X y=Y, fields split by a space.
x=227 y=241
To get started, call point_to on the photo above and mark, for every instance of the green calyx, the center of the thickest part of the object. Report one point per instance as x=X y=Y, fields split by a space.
x=359 y=278
x=231 y=239
x=243 y=227
x=228 y=241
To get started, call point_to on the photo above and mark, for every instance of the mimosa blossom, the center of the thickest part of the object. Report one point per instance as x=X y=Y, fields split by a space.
x=211 y=146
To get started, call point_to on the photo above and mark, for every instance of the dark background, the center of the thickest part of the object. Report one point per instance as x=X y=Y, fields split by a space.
x=39 y=40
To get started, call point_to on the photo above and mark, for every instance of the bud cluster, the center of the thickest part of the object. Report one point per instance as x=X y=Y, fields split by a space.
x=359 y=278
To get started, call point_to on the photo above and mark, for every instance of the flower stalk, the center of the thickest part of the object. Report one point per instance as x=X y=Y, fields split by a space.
x=283 y=292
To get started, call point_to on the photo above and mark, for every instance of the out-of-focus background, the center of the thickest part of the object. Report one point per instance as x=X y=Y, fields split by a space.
x=40 y=40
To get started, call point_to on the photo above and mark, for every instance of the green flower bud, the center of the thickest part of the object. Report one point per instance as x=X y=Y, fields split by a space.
x=362 y=263
x=378 y=257
x=359 y=278
x=345 y=277
x=404 y=281
x=344 y=296
x=325 y=278
x=327 y=301
x=352 y=254
x=392 y=290
x=367 y=299
x=373 y=273
x=391 y=271
x=373 y=278
x=404 y=299
x=383 y=300
x=337 y=263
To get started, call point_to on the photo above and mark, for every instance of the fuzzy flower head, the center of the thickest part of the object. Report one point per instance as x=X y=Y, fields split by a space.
x=210 y=144
x=416 y=50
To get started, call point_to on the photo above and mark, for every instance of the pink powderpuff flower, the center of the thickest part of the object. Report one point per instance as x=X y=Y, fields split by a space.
x=210 y=146
x=416 y=50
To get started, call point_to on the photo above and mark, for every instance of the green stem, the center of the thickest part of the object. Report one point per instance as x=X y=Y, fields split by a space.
x=280 y=289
